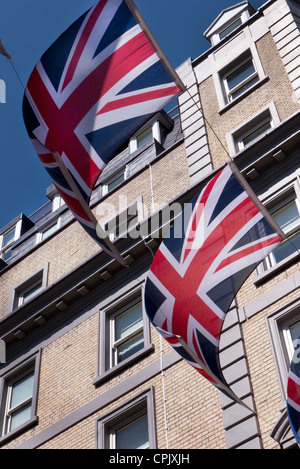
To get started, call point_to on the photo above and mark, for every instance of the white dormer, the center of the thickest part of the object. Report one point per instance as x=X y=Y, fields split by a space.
x=229 y=20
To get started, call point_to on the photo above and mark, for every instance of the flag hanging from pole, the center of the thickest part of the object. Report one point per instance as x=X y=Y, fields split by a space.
x=293 y=394
x=91 y=90
x=209 y=253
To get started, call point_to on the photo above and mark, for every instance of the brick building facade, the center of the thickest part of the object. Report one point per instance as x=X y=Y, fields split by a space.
x=84 y=368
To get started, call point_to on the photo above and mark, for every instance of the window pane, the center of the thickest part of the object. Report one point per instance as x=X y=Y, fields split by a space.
x=287 y=248
x=115 y=182
x=6 y=254
x=49 y=231
x=134 y=435
x=241 y=74
x=8 y=237
x=129 y=321
x=31 y=293
x=130 y=347
x=230 y=28
x=19 y=417
x=256 y=134
x=22 y=390
x=295 y=331
x=287 y=217
x=144 y=137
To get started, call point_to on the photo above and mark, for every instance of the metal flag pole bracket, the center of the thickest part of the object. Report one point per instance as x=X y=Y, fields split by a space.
x=221 y=385
x=85 y=206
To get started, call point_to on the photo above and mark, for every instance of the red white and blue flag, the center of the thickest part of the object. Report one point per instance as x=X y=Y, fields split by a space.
x=194 y=278
x=92 y=89
x=293 y=394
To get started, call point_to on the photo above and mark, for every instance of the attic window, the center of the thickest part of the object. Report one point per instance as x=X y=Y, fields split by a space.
x=231 y=27
x=145 y=135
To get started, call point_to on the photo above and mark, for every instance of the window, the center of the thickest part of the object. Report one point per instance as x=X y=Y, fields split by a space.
x=127 y=336
x=240 y=78
x=255 y=134
x=144 y=137
x=124 y=332
x=28 y=293
x=48 y=231
x=19 y=398
x=28 y=289
x=6 y=243
x=288 y=218
x=124 y=222
x=129 y=427
x=253 y=129
x=114 y=181
x=291 y=334
x=230 y=28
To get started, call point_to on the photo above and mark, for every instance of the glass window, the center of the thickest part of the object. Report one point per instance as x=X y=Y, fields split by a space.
x=8 y=237
x=49 y=231
x=133 y=435
x=19 y=398
x=30 y=293
x=120 y=225
x=144 y=137
x=131 y=426
x=240 y=79
x=7 y=240
x=254 y=134
x=230 y=28
x=288 y=218
x=127 y=333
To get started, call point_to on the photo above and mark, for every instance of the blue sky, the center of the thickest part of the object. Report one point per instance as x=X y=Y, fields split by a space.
x=27 y=29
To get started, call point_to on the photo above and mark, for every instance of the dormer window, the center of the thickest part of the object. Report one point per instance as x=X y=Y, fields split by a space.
x=228 y=21
x=230 y=28
x=155 y=129
x=7 y=240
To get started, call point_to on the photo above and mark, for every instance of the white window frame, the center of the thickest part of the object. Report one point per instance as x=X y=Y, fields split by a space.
x=114 y=343
x=126 y=221
x=247 y=81
x=229 y=66
x=117 y=175
x=230 y=24
x=132 y=293
x=156 y=134
x=17 y=234
x=280 y=197
x=140 y=406
x=240 y=140
x=54 y=224
x=40 y=277
x=278 y=324
x=235 y=136
x=36 y=288
x=8 y=378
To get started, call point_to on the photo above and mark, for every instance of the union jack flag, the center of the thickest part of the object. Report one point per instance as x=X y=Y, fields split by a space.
x=194 y=278
x=91 y=90
x=293 y=394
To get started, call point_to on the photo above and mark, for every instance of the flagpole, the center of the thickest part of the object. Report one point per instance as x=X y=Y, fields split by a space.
x=87 y=209
x=226 y=389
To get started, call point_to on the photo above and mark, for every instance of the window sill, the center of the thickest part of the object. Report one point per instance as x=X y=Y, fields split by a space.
x=108 y=374
x=21 y=429
x=243 y=95
x=264 y=276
